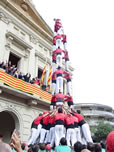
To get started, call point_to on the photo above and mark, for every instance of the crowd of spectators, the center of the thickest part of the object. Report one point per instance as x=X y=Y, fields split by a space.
x=16 y=146
x=14 y=71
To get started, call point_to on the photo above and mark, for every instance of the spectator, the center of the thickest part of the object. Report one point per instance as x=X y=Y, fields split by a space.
x=15 y=143
x=85 y=150
x=98 y=148
x=42 y=148
x=1 y=63
x=27 y=77
x=35 y=148
x=77 y=147
x=90 y=146
x=23 y=147
x=16 y=74
x=37 y=81
x=48 y=148
x=20 y=76
x=32 y=81
x=103 y=147
x=63 y=146
x=110 y=142
x=5 y=147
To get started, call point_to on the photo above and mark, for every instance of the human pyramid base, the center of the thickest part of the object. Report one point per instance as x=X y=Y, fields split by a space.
x=51 y=126
x=60 y=121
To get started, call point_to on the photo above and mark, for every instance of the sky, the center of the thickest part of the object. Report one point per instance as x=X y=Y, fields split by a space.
x=89 y=26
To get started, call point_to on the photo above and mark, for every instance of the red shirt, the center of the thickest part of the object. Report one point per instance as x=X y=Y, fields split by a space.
x=60 y=116
x=59 y=71
x=60 y=96
x=36 y=81
x=53 y=56
x=67 y=76
x=53 y=99
x=64 y=38
x=69 y=120
x=59 y=36
x=54 y=41
x=37 y=120
x=46 y=119
x=51 y=120
x=66 y=55
x=58 y=51
x=69 y=98
x=75 y=119
x=54 y=76
x=79 y=116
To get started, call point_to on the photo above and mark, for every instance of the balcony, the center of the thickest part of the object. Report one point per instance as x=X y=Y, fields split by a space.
x=23 y=89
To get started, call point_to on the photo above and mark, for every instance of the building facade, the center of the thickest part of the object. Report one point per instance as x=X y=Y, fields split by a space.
x=26 y=41
x=94 y=113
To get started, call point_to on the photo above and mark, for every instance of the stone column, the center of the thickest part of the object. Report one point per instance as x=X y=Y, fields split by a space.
x=36 y=65
x=8 y=48
x=31 y=64
x=3 y=26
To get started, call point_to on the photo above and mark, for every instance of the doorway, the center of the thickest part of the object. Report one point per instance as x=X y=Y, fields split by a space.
x=8 y=123
x=14 y=59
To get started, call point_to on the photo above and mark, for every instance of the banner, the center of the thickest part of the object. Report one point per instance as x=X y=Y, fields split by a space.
x=23 y=86
x=42 y=77
x=49 y=78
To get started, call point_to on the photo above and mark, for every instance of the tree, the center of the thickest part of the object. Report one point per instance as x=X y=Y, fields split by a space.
x=101 y=131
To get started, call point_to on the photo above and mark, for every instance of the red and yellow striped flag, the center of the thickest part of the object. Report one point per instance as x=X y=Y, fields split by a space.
x=42 y=77
x=49 y=78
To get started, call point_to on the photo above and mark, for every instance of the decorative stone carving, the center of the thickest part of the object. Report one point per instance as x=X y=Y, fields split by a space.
x=24 y=6
x=4 y=18
x=33 y=39
x=26 y=54
x=9 y=42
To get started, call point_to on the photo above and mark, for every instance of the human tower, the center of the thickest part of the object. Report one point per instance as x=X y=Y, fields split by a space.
x=60 y=121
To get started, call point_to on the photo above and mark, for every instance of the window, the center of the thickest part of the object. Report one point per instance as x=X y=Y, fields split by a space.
x=39 y=73
x=14 y=59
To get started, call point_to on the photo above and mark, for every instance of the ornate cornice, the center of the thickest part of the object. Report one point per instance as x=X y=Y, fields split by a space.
x=4 y=18
x=18 y=40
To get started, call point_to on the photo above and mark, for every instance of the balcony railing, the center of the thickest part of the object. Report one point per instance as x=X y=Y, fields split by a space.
x=97 y=113
x=23 y=86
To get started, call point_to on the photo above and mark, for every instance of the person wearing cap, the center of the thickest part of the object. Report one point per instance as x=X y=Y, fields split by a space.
x=58 y=52
x=34 y=130
x=59 y=125
x=59 y=79
x=110 y=142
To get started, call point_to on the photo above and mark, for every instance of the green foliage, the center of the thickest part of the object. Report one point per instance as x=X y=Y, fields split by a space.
x=101 y=131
